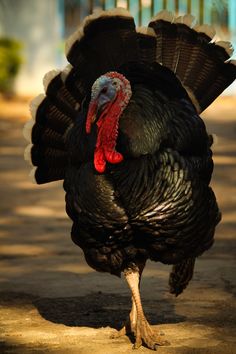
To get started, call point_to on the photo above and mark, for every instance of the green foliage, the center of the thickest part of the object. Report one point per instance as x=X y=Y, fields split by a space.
x=10 y=61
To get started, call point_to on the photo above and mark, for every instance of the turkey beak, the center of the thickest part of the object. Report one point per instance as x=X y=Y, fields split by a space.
x=92 y=115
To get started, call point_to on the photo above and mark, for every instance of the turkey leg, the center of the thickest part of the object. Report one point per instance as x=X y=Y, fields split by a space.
x=142 y=331
x=131 y=322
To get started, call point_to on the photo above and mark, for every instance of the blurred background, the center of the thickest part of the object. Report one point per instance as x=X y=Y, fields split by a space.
x=32 y=33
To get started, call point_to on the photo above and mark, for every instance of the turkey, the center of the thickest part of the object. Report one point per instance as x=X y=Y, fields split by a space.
x=120 y=126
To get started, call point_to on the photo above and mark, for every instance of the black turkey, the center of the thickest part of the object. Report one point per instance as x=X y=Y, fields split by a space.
x=120 y=125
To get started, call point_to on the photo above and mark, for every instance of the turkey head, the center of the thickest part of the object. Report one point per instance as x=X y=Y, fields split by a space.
x=110 y=95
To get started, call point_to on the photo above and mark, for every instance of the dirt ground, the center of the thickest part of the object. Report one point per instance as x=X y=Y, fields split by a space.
x=52 y=302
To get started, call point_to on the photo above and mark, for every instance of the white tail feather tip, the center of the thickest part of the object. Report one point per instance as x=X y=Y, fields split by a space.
x=49 y=76
x=187 y=20
x=27 y=130
x=35 y=103
x=27 y=153
x=215 y=139
x=32 y=175
x=65 y=72
x=227 y=46
x=207 y=29
x=146 y=30
x=76 y=36
x=164 y=15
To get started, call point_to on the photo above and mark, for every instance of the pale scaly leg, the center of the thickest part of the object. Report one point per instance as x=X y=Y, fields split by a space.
x=143 y=332
x=131 y=323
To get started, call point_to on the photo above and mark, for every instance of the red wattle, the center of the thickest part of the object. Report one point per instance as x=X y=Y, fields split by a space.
x=91 y=114
x=113 y=156
x=108 y=124
x=99 y=160
x=106 y=139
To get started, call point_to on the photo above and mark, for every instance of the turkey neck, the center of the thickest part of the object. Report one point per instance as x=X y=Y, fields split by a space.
x=108 y=124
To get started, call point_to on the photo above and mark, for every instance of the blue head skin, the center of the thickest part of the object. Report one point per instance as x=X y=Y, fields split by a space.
x=104 y=90
x=111 y=90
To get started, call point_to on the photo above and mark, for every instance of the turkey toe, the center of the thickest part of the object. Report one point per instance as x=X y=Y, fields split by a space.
x=146 y=335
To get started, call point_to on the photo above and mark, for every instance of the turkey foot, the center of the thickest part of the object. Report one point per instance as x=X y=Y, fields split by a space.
x=146 y=335
x=141 y=328
x=130 y=324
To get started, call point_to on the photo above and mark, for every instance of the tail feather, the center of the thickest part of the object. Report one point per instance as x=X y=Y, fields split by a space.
x=58 y=94
x=78 y=82
x=47 y=137
x=147 y=44
x=168 y=36
x=181 y=275
x=52 y=115
x=46 y=174
x=104 y=43
x=206 y=62
x=223 y=78
x=48 y=156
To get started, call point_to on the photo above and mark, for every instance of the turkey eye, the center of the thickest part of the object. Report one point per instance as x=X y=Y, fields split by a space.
x=104 y=90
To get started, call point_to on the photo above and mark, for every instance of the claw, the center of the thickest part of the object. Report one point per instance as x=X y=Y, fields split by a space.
x=137 y=344
x=122 y=332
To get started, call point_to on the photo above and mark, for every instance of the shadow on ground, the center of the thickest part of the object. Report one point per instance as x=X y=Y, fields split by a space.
x=101 y=310
x=94 y=310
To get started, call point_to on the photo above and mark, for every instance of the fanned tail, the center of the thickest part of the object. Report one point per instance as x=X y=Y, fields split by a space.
x=108 y=41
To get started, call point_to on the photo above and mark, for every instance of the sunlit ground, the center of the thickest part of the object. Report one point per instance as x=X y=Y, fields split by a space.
x=53 y=302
